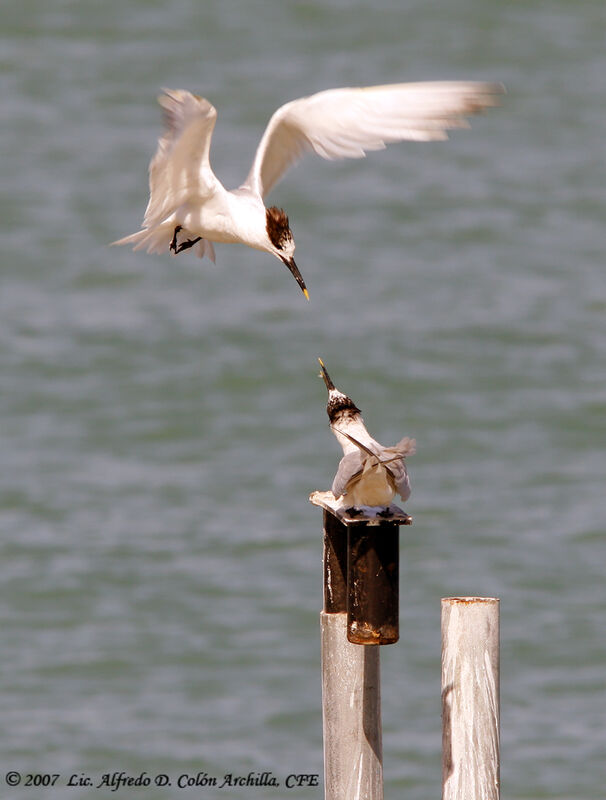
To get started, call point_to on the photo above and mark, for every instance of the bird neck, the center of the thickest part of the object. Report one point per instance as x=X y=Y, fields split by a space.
x=246 y=219
x=353 y=424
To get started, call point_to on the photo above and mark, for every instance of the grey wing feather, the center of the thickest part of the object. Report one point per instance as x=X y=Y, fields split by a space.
x=349 y=466
x=400 y=476
x=405 y=447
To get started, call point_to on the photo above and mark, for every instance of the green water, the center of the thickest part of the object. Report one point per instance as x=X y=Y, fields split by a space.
x=162 y=423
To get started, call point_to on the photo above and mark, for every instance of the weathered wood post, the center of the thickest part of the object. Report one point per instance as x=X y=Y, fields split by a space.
x=360 y=608
x=470 y=698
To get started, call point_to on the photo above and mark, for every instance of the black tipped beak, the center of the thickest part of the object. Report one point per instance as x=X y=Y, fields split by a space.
x=329 y=384
x=294 y=269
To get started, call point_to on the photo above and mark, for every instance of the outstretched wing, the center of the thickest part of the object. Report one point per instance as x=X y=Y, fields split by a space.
x=346 y=123
x=181 y=168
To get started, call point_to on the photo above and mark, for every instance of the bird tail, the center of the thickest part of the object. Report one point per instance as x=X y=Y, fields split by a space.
x=405 y=447
x=158 y=240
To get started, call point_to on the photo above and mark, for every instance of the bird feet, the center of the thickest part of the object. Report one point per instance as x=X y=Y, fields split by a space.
x=352 y=511
x=173 y=245
x=179 y=248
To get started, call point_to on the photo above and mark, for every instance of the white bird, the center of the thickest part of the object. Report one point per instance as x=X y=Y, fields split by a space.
x=188 y=205
x=369 y=474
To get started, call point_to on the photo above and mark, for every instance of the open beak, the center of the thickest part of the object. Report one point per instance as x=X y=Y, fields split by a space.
x=294 y=269
x=329 y=384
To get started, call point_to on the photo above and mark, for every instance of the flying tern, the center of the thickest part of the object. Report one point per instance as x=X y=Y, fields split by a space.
x=369 y=473
x=189 y=207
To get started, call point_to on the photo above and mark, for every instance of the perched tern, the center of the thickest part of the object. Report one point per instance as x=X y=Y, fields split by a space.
x=189 y=207
x=369 y=474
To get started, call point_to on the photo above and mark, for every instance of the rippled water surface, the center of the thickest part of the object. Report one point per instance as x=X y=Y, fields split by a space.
x=162 y=423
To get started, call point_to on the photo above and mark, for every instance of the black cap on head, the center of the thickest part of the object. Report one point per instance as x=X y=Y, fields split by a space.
x=339 y=404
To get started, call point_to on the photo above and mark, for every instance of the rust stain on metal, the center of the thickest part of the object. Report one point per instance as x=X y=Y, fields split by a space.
x=467 y=601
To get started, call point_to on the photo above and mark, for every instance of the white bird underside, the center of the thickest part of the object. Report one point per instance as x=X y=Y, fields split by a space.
x=337 y=123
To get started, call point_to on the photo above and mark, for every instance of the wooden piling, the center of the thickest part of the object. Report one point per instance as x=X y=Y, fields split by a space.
x=360 y=607
x=470 y=698
x=351 y=710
